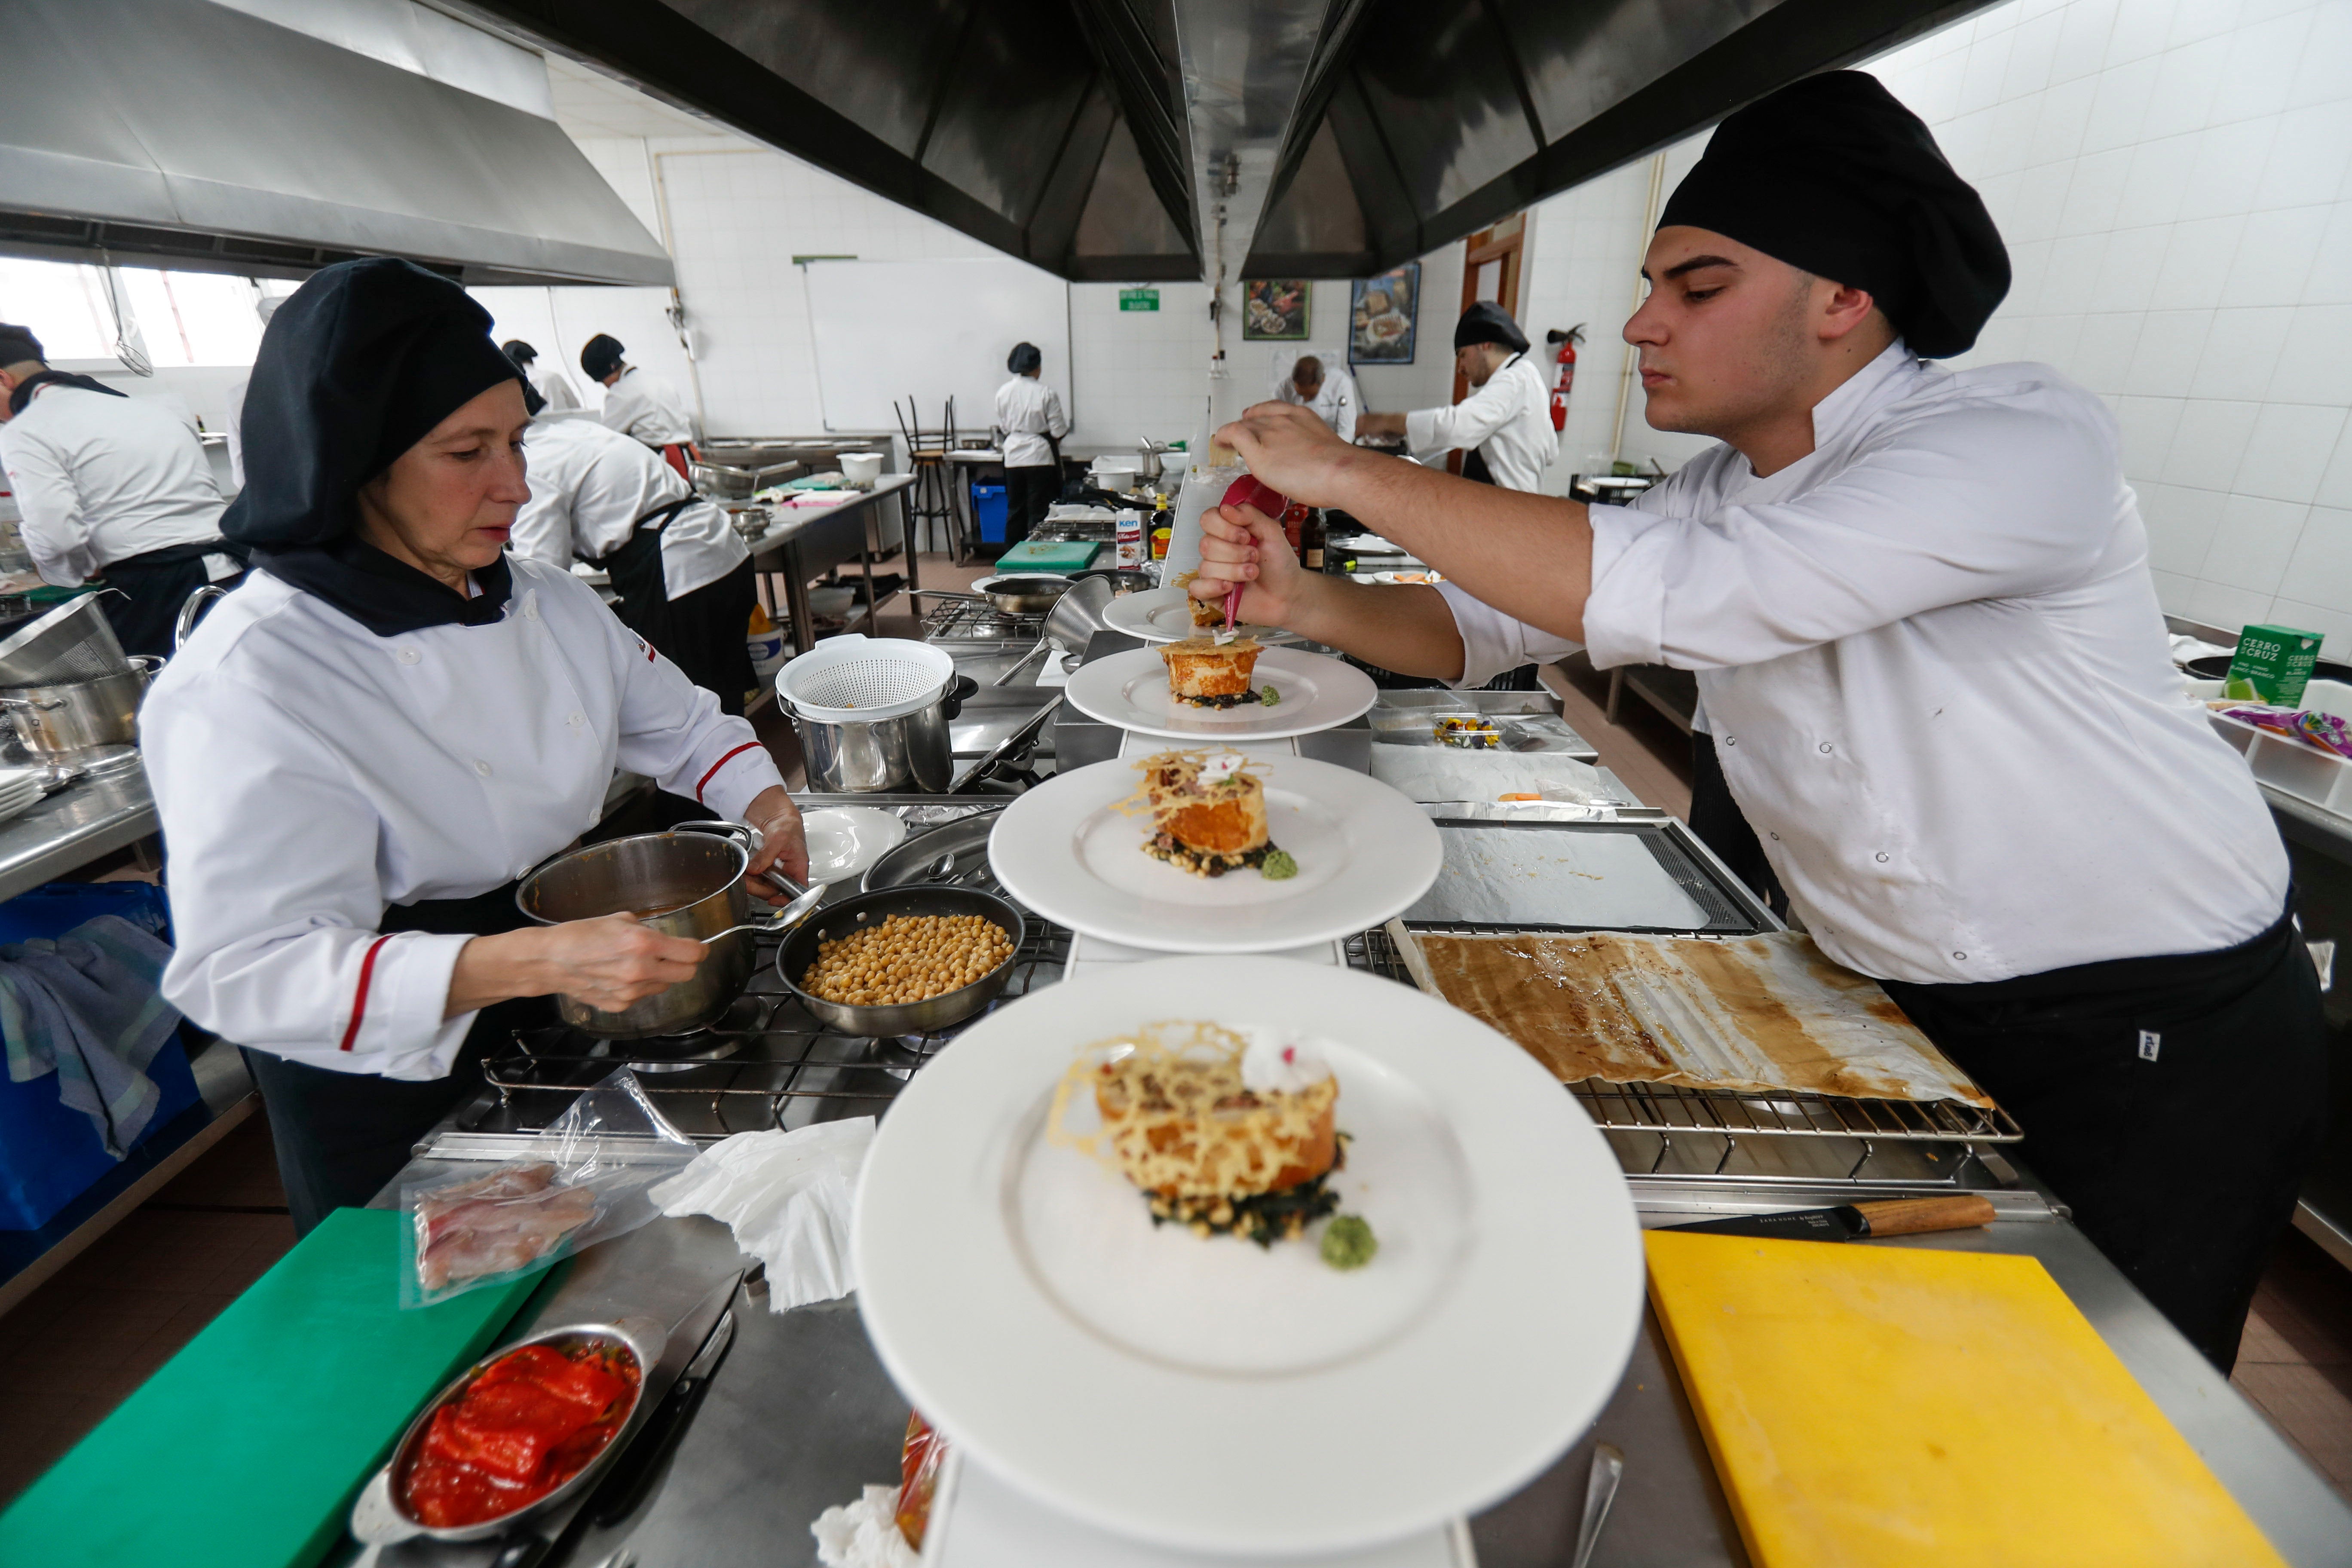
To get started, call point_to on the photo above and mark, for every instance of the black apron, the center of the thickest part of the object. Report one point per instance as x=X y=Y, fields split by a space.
x=635 y=564
x=153 y=585
x=342 y=1136
x=702 y=632
x=2174 y=1103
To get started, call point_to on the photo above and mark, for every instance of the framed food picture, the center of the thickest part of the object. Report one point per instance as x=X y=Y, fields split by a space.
x=1275 y=310
x=1380 y=320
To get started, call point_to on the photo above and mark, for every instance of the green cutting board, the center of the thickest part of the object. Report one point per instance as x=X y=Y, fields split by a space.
x=246 y=1450
x=1044 y=555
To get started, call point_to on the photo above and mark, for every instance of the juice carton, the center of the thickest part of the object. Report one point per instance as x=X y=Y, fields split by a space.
x=2271 y=665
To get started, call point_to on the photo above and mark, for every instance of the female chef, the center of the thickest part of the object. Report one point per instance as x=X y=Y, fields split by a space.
x=1029 y=414
x=1919 y=609
x=362 y=749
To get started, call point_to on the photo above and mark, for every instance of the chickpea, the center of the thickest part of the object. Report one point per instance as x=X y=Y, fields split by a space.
x=906 y=958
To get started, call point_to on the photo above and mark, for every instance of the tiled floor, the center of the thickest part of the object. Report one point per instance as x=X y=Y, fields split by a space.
x=2296 y=1361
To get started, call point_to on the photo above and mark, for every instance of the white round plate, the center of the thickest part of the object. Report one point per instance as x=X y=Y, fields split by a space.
x=844 y=840
x=1163 y=615
x=1130 y=690
x=1365 y=853
x=1208 y=1395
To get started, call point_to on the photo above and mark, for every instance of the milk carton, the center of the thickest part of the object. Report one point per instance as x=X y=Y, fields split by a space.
x=2271 y=664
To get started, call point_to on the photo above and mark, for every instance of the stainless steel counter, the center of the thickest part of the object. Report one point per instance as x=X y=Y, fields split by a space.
x=807 y=541
x=74 y=827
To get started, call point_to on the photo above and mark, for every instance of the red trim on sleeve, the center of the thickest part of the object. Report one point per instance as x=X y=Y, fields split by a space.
x=746 y=746
x=359 y=1001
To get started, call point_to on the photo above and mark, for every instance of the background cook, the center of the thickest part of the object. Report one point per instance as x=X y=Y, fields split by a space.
x=640 y=405
x=1503 y=429
x=362 y=748
x=1919 y=609
x=1031 y=423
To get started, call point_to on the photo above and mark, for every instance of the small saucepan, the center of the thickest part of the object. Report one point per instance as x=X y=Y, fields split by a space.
x=863 y=910
x=1009 y=593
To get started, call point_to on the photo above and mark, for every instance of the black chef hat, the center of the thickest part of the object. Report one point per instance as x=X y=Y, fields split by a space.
x=600 y=357
x=1024 y=359
x=1832 y=175
x=532 y=401
x=1488 y=322
x=518 y=350
x=355 y=369
x=18 y=344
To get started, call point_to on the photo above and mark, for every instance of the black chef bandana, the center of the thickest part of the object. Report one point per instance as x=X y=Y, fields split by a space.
x=1025 y=359
x=520 y=351
x=355 y=368
x=1488 y=322
x=600 y=357
x=18 y=344
x=1831 y=175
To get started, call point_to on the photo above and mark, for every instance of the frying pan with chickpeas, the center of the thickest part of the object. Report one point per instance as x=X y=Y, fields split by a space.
x=902 y=960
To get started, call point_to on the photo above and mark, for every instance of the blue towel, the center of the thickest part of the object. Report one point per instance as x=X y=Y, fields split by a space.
x=87 y=1007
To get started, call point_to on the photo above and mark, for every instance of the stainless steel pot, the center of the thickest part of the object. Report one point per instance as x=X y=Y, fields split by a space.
x=912 y=752
x=81 y=721
x=686 y=882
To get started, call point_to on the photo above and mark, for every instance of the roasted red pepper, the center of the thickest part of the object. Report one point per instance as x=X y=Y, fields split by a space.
x=531 y=1420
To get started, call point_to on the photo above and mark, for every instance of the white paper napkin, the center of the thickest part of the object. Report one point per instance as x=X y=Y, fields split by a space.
x=787 y=1196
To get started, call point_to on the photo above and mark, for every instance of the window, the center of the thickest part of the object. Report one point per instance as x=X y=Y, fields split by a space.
x=186 y=318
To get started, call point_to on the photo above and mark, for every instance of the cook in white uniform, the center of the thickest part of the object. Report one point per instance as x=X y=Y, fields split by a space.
x=362 y=749
x=640 y=405
x=1327 y=393
x=1030 y=425
x=684 y=575
x=552 y=385
x=1503 y=429
x=113 y=490
x=1919 y=609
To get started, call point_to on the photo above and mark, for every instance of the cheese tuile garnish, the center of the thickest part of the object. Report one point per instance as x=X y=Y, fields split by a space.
x=1173 y=780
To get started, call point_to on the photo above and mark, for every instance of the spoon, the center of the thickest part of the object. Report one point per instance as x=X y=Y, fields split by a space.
x=1600 y=1491
x=804 y=904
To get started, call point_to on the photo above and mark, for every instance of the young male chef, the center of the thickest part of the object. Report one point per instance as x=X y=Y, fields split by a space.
x=362 y=749
x=683 y=573
x=1030 y=415
x=113 y=487
x=1330 y=394
x=552 y=385
x=1503 y=429
x=639 y=404
x=1919 y=609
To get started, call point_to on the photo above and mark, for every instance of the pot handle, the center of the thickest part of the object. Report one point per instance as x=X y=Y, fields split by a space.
x=961 y=687
x=740 y=832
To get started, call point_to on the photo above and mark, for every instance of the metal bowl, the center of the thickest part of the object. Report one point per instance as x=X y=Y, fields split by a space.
x=836 y=921
x=381 y=1518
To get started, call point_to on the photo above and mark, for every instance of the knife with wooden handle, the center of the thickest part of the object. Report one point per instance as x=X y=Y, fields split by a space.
x=1855 y=1221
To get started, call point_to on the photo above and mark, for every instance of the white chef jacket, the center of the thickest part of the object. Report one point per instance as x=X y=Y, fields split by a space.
x=643 y=405
x=1939 y=680
x=309 y=772
x=1508 y=421
x=1028 y=411
x=1334 y=402
x=589 y=488
x=100 y=478
x=236 y=432
x=556 y=387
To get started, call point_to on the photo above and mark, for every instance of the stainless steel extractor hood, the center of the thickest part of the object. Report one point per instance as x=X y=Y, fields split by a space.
x=187 y=134
x=1098 y=138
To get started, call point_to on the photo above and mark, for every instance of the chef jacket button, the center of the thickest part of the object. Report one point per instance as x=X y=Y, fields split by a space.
x=577 y=720
x=1776 y=839
x=530 y=611
x=1882 y=857
x=1960 y=955
x=1731 y=740
x=1825 y=746
x=408 y=656
x=481 y=767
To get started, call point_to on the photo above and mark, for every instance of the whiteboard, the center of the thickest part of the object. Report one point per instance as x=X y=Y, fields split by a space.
x=935 y=330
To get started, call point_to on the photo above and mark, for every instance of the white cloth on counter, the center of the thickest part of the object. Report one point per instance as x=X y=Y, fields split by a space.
x=1028 y=411
x=864 y=1534
x=787 y=1195
x=100 y=479
x=590 y=488
x=645 y=407
x=1937 y=677
x=309 y=773
x=1508 y=422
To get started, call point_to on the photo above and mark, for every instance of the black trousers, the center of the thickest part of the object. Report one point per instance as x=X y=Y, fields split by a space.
x=152 y=587
x=341 y=1136
x=1027 y=493
x=703 y=632
x=1723 y=828
x=2174 y=1103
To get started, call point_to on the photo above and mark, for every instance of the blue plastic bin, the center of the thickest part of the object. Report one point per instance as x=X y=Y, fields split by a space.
x=50 y=1155
x=988 y=505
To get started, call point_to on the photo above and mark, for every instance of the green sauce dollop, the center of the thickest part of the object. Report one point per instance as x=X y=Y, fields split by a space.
x=1349 y=1242
x=1269 y=697
x=1278 y=866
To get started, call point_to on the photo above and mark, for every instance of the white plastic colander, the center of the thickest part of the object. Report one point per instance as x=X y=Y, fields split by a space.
x=858 y=680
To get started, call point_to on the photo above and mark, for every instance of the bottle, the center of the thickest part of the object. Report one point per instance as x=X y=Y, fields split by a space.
x=1128 y=529
x=1312 y=535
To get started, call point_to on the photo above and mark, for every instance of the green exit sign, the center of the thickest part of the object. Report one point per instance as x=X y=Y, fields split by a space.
x=1139 y=299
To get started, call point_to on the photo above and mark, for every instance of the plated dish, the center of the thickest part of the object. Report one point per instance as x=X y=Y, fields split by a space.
x=1295 y=693
x=1080 y=849
x=1166 y=614
x=1235 y=1391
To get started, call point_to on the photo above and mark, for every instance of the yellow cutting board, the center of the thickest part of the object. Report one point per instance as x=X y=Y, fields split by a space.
x=1871 y=1406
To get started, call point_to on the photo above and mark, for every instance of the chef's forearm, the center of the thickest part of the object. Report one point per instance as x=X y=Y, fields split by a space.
x=500 y=968
x=1529 y=556
x=1408 y=629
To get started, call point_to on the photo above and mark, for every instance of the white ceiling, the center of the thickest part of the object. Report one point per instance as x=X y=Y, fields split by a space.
x=591 y=105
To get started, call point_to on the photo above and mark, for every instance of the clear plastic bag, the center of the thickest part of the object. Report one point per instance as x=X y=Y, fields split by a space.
x=583 y=1180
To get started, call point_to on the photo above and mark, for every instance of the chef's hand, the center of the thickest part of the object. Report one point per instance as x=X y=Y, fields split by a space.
x=1290 y=448
x=606 y=963
x=1241 y=544
x=783 y=844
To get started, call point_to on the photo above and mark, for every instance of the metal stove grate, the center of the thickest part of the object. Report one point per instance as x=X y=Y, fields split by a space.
x=956 y=621
x=768 y=1064
x=1672 y=1113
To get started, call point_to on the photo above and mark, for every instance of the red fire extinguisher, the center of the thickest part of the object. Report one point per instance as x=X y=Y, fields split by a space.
x=1567 y=357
